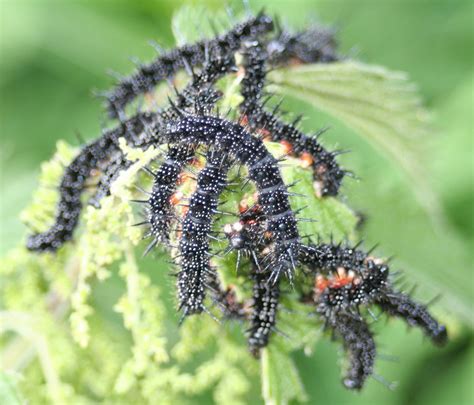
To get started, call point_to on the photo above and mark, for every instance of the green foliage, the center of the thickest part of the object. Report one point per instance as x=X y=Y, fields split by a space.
x=377 y=103
x=60 y=346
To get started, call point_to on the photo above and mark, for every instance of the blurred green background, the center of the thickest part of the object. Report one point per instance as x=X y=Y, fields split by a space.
x=53 y=53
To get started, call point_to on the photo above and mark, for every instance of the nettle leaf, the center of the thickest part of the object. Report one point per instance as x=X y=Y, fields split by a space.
x=355 y=92
x=381 y=105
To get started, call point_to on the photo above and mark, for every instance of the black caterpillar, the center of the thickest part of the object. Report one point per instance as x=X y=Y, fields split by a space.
x=197 y=94
x=327 y=173
x=248 y=236
x=358 y=341
x=75 y=177
x=94 y=155
x=348 y=278
x=194 y=254
x=112 y=170
x=340 y=282
x=168 y=64
x=160 y=207
x=345 y=279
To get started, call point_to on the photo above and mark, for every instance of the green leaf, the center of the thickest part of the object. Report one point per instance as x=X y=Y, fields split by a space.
x=280 y=378
x=382 y=97
x=378 y=104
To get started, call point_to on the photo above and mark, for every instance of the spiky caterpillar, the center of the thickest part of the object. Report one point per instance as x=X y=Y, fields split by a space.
x=214 y=67
x=402 y=306
x=345 y=322
x=198 y=95
x=338 y=292
x=66 y=222
x=347 y=278
x=194 y=250
x=261 y=311
x=75 y=176
x=168 y=64
x=327 y=173
x=263 y=171
x=248 y=236
x=92 y=156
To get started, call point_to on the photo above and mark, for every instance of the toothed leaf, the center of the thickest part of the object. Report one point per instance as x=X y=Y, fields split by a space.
x=379 y=104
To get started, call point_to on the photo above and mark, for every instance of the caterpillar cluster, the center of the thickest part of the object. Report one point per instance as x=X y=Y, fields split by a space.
x=338 y=281
x=345 y=280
